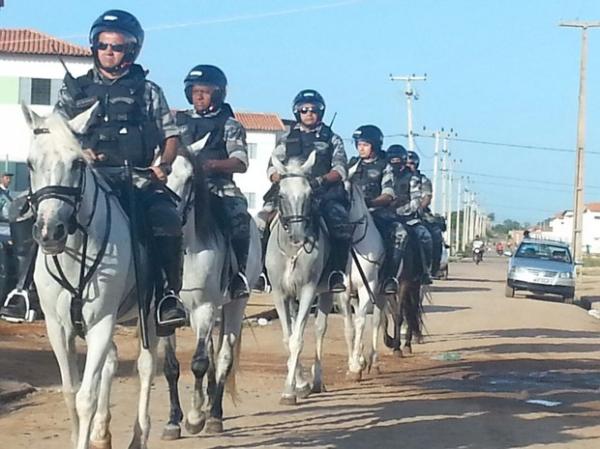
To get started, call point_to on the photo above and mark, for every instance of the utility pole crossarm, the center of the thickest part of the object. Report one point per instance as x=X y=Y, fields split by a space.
x=410 y=95
x=579 y=24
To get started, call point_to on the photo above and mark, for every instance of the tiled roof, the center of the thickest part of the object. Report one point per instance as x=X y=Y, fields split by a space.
x=260 y=121
x=593 y=207
x=31 y=42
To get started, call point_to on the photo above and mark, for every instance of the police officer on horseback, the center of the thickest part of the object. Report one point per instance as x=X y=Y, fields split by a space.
x=309 y=134
x=408 y=204
x=134 y=125
x=375 y=178
x=434 y=224
x=217 y=142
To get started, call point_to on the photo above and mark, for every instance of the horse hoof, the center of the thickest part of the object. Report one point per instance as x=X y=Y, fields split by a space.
x=101 y=444
x=304 y=392
x=354 y=376
x=171 y=432
x=214 y=425
x=408 y=349
x=288 y=400
x=398 y=353
x=195 y=428
x=376 y=370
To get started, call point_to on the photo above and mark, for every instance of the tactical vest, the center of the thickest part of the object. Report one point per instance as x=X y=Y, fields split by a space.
x=300 y=144
x=402 y=187
x=122 y=129
x=368 y=176
x=194 y=129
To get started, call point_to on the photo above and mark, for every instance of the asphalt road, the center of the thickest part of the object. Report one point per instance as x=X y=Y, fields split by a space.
x=493 y=373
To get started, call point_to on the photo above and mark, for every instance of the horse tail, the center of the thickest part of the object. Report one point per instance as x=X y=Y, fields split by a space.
x=413 y=310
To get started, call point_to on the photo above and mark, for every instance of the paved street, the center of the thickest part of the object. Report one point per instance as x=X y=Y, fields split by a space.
x=493 y=373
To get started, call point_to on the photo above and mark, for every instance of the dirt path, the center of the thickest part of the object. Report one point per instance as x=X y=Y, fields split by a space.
x=466 y=387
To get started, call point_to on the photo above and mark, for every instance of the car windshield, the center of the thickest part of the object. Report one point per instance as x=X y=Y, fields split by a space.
x=544 y=251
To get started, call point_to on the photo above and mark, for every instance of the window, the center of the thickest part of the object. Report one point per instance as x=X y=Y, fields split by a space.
x=252 y=150
x=41 y=89
x=251 y=197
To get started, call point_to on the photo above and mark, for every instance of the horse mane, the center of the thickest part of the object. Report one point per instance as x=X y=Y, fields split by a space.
x=204 y=220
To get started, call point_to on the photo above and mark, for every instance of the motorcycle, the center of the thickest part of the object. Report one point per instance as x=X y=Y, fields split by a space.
x=477 y=255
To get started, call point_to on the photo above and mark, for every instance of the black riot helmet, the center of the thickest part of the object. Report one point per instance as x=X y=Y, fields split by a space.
x=122 y=22
x=397 y=152
x=308 y=96
x=209 y=75
x=414 y=158
x=371 y=134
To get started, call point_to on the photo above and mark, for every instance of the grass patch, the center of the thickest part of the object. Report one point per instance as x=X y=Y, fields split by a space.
x=590 y=262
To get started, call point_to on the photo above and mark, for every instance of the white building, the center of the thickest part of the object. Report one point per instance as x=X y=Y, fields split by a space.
x=561 y=228
x=262 y=132
x=30 y=73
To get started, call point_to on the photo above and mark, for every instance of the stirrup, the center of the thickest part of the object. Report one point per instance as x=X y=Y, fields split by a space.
x=30 y=314
x=390 y=282
x=262 y=285
x=336 y=290
x=246 y=287
x=175 y=322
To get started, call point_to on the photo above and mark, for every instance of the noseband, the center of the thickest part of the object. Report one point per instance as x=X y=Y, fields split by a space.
x=286 y=220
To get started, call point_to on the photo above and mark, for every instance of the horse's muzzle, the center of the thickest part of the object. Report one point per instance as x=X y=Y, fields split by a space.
x=52 y=237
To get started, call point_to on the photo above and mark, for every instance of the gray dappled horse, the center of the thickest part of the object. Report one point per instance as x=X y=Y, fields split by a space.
x=369 y=251
x=84 y=273
x=204 y=294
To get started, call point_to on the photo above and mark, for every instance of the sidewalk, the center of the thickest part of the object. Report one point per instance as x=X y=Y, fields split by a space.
x=12 y=391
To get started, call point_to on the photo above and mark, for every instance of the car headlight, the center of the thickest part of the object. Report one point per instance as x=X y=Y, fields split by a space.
x=566 y=275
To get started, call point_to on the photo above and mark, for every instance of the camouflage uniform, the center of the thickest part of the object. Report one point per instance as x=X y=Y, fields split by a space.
x=332 y=200
x=431 y=223
x=227 y=200
x=5 y=200
x=407 y=206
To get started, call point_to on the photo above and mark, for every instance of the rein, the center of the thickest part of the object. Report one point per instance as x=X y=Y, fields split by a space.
x=74 y=196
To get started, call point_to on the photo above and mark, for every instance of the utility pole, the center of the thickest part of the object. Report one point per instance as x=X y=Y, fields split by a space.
x=579 y=168
x=444 y=174
x=465 y=233
x=436 y=156
x=410 y=94
x=458 y=204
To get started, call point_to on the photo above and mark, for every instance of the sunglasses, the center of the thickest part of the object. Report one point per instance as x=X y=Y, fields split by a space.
x=117 y=48
x=307 y=110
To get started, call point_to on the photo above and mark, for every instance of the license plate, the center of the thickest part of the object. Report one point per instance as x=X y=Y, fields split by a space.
x=541 y=281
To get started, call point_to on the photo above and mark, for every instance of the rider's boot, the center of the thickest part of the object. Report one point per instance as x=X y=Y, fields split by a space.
x=238 y=288
x=340 y=249
x=265 y=217
x=170 y=312
x=17 y=306
x=390 y=283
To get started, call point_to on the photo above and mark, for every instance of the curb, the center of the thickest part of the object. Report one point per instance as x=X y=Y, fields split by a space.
x=12 y=391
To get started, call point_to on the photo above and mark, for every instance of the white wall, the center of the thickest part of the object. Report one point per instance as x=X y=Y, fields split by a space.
x=562 y=230
x=14 y=132
x=255 y=179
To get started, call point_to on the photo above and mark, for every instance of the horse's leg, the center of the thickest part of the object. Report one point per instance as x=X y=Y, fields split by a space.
x=307 y=295
x=100 y=437
x=99 y=342
x=358 y=361
x=202 y=321
x=146 y=365
x=172 y=430
x=226 y=362
x=324 y=307
x=63 y=345
x=373 y=358
x=344 y=304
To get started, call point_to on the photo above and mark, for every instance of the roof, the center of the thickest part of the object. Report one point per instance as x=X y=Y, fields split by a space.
x=31 y=42
x=593 y=207
x=260 y=121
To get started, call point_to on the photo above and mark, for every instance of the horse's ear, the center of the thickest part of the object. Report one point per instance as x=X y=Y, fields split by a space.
x=308 y=165
x=281 y=169
x=31 y=117
x=81 y=122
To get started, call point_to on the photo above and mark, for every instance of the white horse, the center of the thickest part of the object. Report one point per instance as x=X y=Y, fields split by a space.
x=295 y=259
x=84 y=273
x=369 y=252
x=204 y=294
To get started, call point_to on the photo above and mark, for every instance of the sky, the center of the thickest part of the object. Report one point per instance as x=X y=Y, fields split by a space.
x=501 y=72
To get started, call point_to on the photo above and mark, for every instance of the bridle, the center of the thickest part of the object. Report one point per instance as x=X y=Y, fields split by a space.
x=73 y=196
x=287 y=220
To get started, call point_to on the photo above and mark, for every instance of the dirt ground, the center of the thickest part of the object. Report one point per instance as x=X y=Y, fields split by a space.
x=467 y=386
